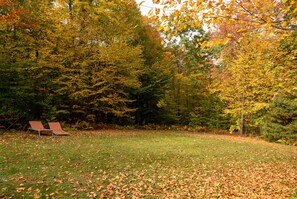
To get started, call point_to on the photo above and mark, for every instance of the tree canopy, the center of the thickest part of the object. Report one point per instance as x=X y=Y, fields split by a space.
x=219 y=64
x=256 y=60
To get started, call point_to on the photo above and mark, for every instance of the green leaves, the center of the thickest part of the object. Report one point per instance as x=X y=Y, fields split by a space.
x=280 y=123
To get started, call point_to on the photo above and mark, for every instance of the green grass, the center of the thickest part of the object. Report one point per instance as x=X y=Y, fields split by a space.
x=145 y=164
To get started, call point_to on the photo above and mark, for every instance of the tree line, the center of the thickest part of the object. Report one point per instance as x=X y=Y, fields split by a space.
x=255 y=71
x=89 y=62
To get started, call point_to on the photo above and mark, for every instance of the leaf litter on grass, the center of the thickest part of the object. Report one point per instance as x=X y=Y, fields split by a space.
x=147 y=165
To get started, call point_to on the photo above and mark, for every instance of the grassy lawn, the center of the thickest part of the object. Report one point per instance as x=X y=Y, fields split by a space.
x=145 y=164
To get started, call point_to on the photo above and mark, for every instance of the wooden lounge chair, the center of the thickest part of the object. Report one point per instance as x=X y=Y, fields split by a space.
x=57 y=129
x=37 y=126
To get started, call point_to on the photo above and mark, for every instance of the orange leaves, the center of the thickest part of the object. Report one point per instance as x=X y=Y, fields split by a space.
x=5 y=3
x=167 y=54
x=11 y=15
x=15 y=15
x=37 y=194
x=20 y=188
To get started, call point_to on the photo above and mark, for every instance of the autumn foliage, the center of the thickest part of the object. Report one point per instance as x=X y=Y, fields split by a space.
x=218 y=64
x=255 y=61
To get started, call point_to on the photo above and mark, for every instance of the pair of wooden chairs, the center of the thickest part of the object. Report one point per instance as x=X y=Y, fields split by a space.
x=55 y=128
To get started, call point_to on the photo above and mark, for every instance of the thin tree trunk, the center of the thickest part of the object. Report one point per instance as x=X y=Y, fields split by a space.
x=242 y=130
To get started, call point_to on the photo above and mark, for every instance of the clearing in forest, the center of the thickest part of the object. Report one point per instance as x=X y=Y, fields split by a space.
x=145 y=164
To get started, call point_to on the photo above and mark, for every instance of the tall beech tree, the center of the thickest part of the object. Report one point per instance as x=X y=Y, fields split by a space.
x=100 y=62
x=249 y=81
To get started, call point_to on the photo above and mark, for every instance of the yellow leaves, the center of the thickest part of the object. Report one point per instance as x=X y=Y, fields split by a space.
x=166 y=28
x=240 y=39
x=160 y=28
x=157 y=11
x=248 y=82
x=284 y=24
x=256 y=14
x=225 y=41
x=267 y=25
x=210 y=5
x=181 y=26
x=191 y=3
x=242 y=30
x=229 y=35
x=294 y=12
x=218 y=12
x=259 y=106
x=215 y=42
x=175 y=13
x=220 y=2
x=204 y=45
x=200 y=39
x=169 y=36
x=164 y=18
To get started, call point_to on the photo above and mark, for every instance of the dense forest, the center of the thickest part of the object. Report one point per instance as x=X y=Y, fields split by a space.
x=91 y=62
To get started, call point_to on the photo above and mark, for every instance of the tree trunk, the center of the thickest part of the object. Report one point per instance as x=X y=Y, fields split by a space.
x=242 y=126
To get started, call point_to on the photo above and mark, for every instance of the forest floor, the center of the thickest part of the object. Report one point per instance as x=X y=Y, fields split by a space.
x=145 y=164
